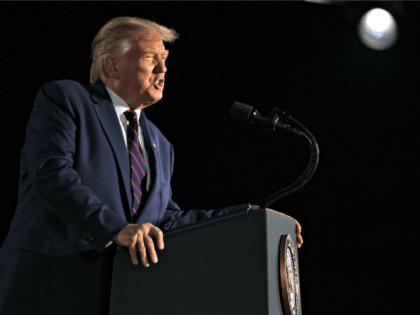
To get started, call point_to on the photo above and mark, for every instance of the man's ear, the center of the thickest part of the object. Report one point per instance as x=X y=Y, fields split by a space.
x=110 y=67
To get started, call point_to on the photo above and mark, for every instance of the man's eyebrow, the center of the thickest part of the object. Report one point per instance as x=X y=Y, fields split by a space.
x=166 y=52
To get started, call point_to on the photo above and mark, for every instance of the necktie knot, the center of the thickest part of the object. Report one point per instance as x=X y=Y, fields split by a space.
x=131 y=115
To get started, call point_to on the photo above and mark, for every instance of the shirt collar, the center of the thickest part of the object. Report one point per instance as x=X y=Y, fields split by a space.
x=120 y=105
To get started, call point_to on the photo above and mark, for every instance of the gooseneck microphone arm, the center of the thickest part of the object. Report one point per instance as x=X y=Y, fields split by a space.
x=248 y=114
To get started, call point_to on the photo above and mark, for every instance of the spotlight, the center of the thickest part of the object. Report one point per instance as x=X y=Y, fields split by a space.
x=378 y=29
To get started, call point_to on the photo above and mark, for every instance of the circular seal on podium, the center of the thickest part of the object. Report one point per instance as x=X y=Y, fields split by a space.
x=289 y=277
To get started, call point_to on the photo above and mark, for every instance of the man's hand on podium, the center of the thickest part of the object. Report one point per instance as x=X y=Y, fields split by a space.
x=139 y=236
x=298 y=227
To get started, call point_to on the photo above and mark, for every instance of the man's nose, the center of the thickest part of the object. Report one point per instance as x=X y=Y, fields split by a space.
x=161 y=67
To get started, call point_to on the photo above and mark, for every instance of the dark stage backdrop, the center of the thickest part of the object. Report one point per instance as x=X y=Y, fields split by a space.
x=359 y=212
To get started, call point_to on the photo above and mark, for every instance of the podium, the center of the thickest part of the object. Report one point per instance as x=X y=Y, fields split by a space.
x=229 y=268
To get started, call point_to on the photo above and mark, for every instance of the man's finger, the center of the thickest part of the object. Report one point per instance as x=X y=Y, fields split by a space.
x=159 y=236
x=133 y=253
x=299 y=239
x=142 y=250
x=151 y=248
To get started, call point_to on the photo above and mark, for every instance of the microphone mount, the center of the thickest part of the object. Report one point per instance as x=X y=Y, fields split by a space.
x=248 y=114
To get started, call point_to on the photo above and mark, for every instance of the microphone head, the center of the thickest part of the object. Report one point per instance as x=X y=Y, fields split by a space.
x=241 y=112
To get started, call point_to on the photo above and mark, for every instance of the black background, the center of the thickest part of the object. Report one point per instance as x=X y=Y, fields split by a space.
x=358 y=213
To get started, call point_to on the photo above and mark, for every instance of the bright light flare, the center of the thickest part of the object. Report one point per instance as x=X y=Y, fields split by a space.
x=378 y=29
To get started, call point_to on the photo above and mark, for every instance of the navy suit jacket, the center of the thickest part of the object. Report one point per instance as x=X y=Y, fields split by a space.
x=74 y=186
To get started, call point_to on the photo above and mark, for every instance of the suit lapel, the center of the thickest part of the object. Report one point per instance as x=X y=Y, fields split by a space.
x=154 y=158
x=151 y=208
x=112 y=129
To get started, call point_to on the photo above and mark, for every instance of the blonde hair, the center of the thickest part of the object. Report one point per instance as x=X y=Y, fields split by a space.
x=114 y=39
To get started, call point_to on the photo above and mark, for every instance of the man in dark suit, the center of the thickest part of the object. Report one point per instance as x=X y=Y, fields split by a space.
x=78 y=195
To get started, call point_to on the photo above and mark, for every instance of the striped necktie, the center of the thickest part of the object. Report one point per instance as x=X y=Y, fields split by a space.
x=137 y=163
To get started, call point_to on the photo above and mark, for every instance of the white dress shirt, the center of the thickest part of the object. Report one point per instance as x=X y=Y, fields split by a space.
x=120 y=107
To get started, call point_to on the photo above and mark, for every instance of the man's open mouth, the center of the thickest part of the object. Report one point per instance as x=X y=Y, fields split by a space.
x=159 y=83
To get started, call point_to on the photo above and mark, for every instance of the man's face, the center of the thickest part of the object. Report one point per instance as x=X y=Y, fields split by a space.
x=141 y=72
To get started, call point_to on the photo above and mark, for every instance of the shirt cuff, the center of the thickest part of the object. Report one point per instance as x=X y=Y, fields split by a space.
x=110 y=243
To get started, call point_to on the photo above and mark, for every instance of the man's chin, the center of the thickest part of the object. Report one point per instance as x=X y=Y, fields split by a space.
x=155 y=97
x=152 y=101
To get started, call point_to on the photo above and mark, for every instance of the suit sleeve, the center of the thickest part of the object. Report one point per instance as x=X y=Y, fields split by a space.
x=49 y=149
x=175 y=221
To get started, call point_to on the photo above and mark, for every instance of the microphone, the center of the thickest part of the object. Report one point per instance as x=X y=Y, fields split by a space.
x=249 y=114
